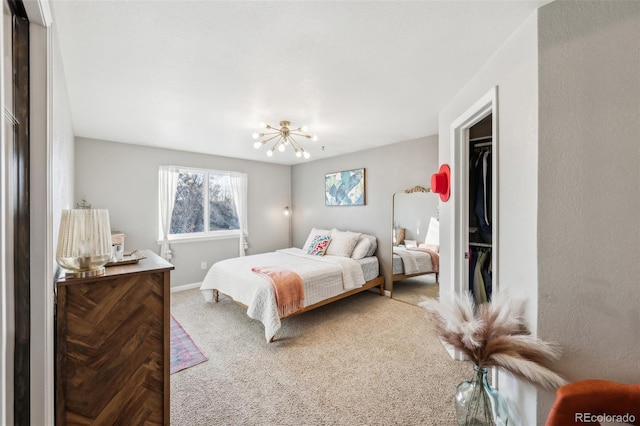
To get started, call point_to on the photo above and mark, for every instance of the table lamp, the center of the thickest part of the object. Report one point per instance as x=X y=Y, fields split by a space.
x=84 y=242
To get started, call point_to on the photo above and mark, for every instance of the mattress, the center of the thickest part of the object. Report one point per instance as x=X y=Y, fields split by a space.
x=421 y=262
x=323 y=277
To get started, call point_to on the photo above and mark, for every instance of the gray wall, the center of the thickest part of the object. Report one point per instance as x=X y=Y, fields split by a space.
x=52 y=171
x=41 y=275
x=569 y=186
x=124 y=179
x=513 y=68
x=589 y=187
x=389 y=169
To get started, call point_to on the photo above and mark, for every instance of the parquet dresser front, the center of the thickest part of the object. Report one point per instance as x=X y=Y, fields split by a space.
x=112 y=345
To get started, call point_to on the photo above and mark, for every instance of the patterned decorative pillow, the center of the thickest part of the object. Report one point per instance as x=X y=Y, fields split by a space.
x=315 y=232
x=319 y=244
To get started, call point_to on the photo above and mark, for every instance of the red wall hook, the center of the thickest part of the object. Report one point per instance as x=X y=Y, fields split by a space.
x=441 y=182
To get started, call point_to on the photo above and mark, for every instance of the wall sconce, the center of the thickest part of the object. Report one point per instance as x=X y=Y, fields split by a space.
x=84 y=242
x=287 y=214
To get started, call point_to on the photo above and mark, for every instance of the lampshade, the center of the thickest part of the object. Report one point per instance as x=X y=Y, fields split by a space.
x=84 y=242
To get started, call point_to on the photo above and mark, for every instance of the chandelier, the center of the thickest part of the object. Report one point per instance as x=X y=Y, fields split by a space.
x=284 y=136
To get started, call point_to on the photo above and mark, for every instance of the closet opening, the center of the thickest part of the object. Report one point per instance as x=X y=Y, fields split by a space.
x=480 y=209
x=475 y=210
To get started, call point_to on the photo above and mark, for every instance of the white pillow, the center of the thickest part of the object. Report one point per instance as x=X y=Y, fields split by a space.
x=432 y=240
x=342 y=243
x=361 y=249
x=315 y=232
x=373 y=242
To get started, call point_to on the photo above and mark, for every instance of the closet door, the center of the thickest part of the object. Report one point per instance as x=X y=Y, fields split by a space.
x=16 y=146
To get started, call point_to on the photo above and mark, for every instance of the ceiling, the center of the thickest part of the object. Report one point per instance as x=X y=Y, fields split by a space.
x=200 y=75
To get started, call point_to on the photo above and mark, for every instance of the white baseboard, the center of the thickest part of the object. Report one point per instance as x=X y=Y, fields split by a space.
x=452 y=351
x=185 y=287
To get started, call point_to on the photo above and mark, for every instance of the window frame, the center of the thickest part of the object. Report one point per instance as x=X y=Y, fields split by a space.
x=204 y=235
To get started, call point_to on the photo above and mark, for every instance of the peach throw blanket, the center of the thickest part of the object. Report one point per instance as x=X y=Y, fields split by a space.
x=435 y=257
x=288 y=288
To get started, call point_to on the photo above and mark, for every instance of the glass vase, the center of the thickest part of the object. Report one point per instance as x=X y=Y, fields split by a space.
x=477 y=403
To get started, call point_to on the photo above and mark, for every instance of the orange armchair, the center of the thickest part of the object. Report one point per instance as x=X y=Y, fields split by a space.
x=587 y=401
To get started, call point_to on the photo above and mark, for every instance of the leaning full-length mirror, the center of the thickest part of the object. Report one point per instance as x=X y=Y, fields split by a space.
x=416 y=245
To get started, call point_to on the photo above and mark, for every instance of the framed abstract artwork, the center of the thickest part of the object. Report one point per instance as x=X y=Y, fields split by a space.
x=346 y=188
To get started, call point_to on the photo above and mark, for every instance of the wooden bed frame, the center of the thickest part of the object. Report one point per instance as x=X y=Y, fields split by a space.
x=376 y=282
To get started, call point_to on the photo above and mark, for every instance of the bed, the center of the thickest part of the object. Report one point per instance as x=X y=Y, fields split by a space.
x=413 y=262
x=412 y=259
x=326 y=275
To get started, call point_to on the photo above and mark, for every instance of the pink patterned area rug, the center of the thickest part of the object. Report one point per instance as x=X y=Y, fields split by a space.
x=184 y=352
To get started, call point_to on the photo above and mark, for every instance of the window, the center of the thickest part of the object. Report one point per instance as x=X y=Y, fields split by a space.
x=202 y=203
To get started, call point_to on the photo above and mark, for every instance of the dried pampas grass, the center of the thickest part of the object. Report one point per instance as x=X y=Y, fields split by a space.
x=495 y=335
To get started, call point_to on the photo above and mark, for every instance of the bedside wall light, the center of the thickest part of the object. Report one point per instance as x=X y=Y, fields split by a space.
x=84 y=242
x=287 y=213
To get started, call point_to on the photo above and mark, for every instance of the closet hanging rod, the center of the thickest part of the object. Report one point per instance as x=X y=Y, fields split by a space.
x=481 y=245
x=481 y=138
x=480 y=145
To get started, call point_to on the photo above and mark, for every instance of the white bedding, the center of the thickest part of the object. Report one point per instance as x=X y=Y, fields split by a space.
x=323 y=277
x=413 y=261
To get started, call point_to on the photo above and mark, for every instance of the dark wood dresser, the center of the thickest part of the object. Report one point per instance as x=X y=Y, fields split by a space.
x=112 y=345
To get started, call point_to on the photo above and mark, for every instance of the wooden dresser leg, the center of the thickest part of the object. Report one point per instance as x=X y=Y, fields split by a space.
x=216 y=295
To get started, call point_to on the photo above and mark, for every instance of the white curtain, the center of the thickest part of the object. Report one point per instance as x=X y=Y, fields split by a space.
x=168 y=183
x=239 y=188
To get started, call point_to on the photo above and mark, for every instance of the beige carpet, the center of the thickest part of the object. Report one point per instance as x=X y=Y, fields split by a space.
x=364 y=360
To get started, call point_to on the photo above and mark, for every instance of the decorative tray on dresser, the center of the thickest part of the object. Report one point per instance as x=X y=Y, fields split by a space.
x=112 y=345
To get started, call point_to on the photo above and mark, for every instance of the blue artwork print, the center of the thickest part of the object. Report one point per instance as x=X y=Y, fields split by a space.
x=345 y=188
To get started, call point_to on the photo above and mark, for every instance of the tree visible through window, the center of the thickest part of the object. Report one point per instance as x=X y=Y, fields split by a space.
x=222 y=211
x=199 y=195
